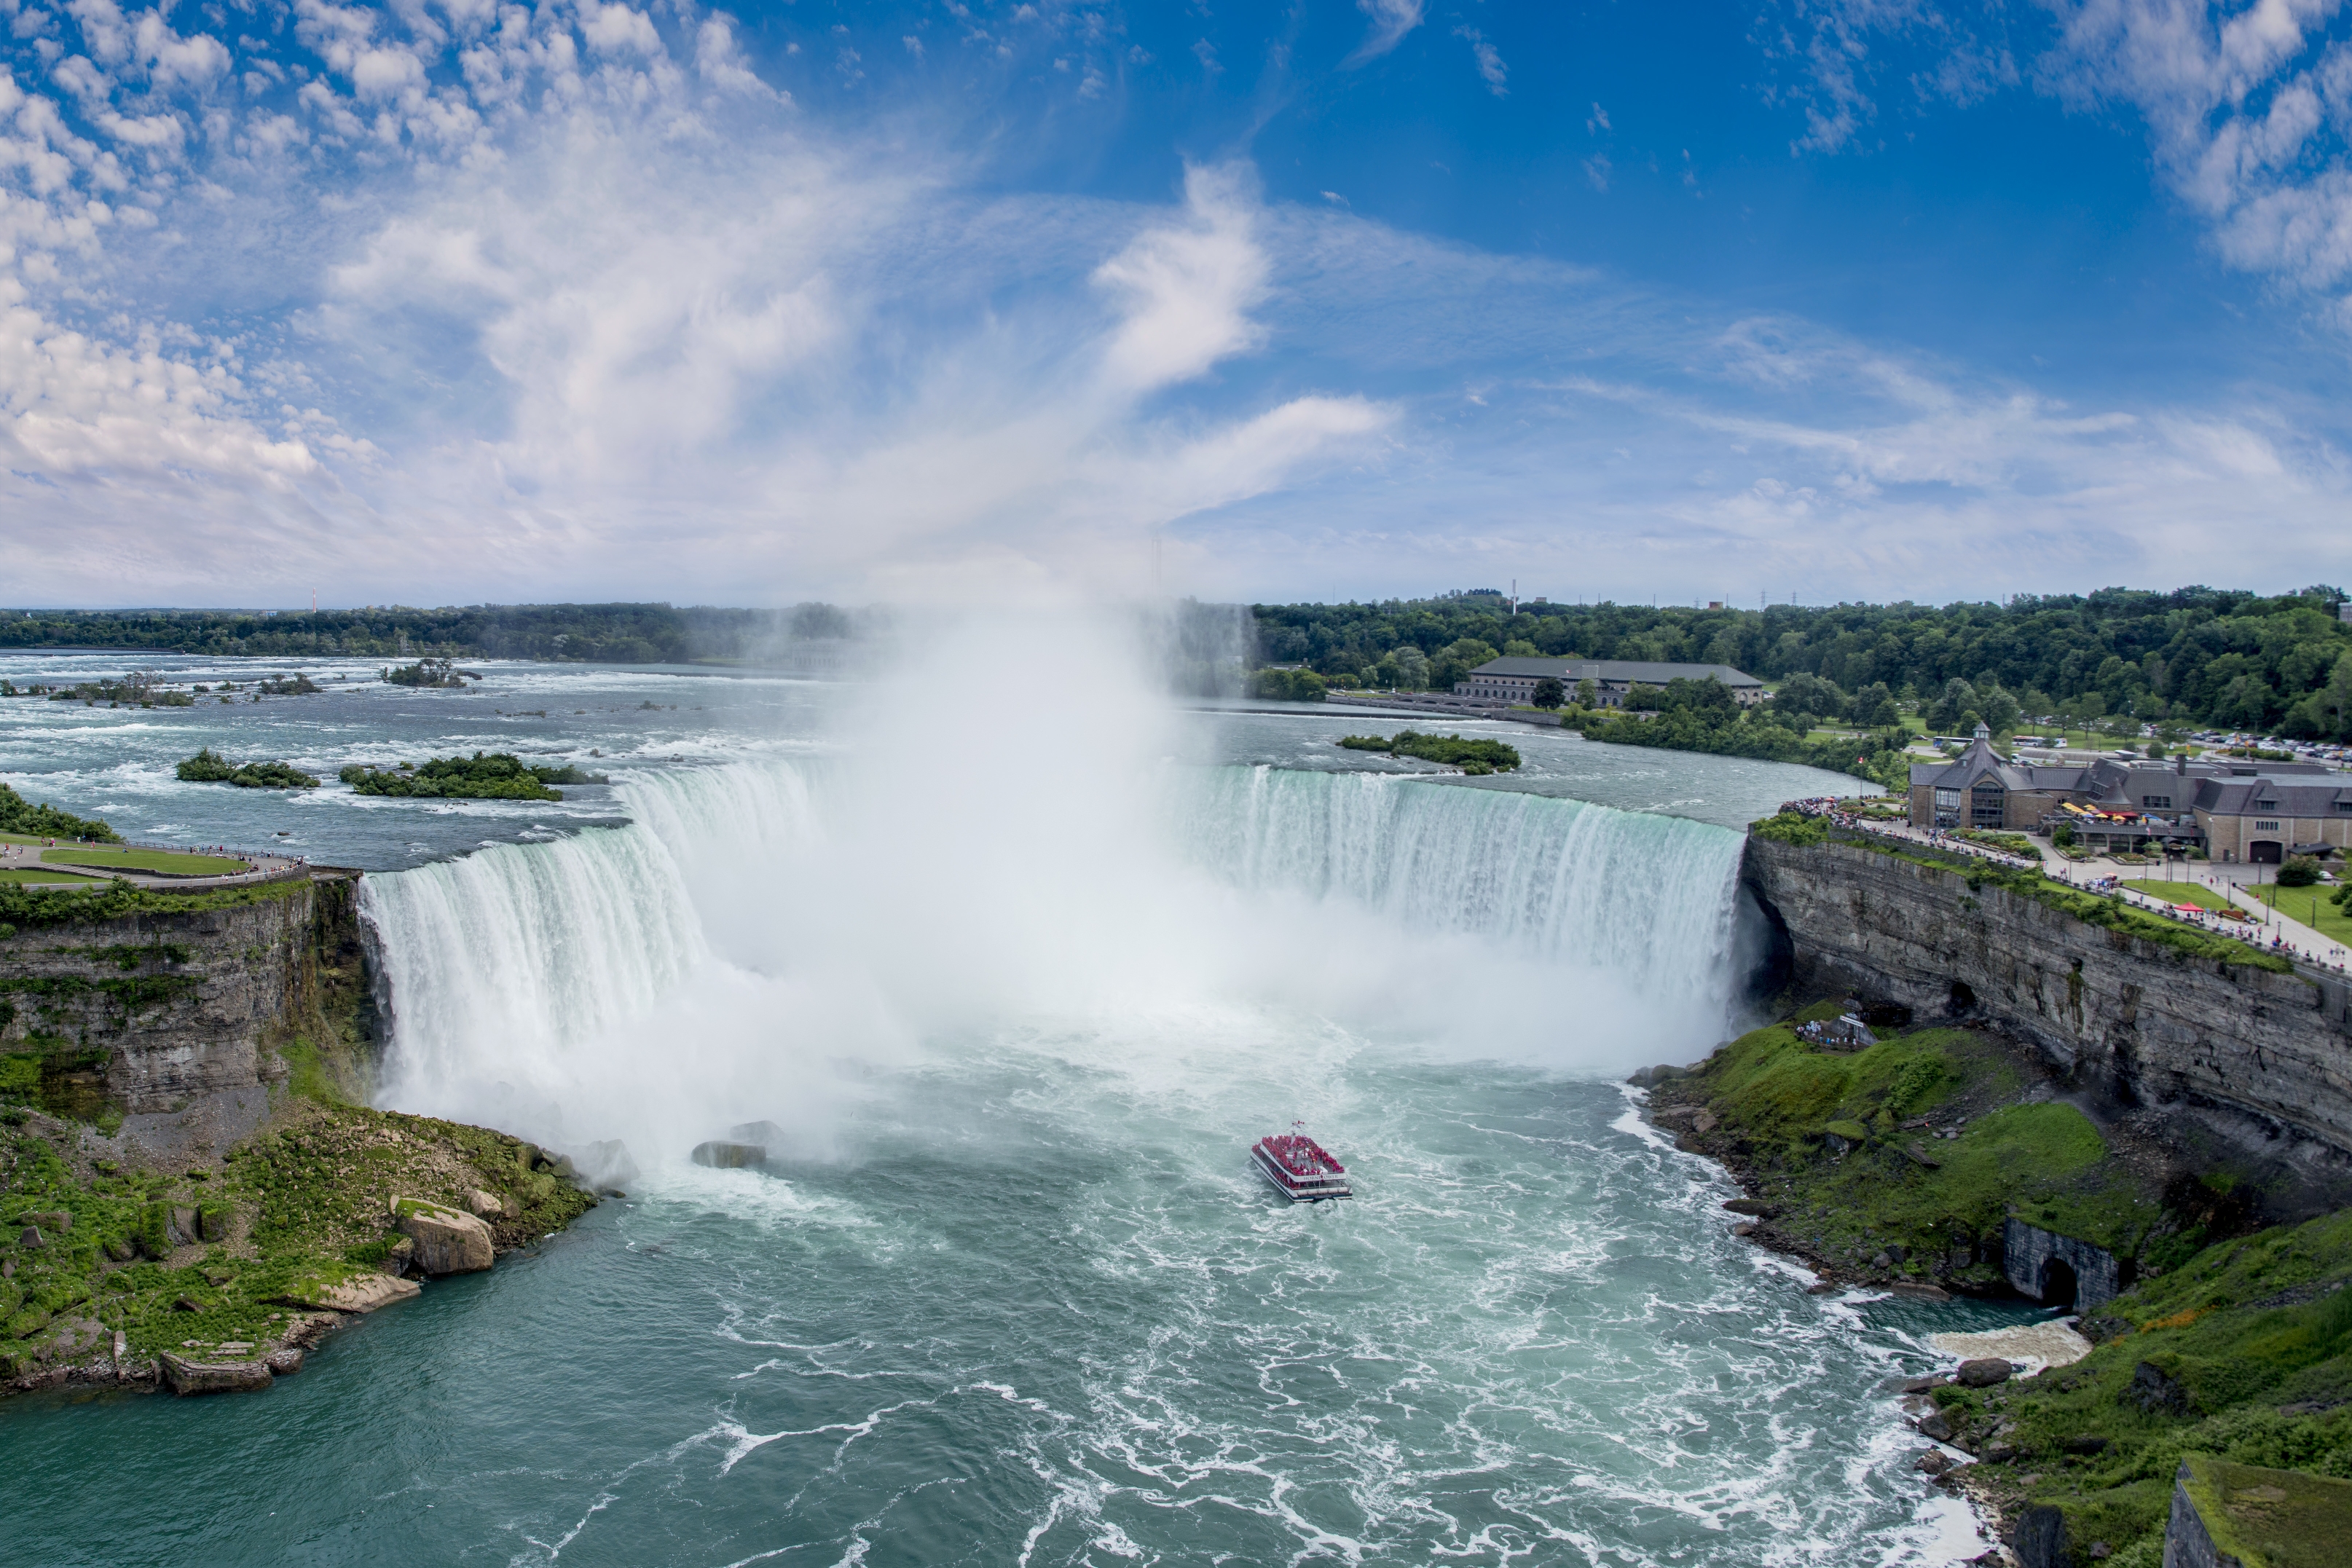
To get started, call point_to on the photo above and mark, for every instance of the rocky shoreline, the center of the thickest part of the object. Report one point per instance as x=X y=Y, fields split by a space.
x=1939 y=1162
x=221 y=1274
x=1687 y=1124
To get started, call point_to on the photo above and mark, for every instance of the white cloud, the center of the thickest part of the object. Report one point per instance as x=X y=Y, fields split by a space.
x=1390 y=21
x=1491 y=69
x=721 y=63
x=1188 y=287
x=615 y=29
x=2249 y=112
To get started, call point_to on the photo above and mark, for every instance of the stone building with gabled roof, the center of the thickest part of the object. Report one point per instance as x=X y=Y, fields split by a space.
x=1982 y=789
x=1513 y=680
x=2235 y=811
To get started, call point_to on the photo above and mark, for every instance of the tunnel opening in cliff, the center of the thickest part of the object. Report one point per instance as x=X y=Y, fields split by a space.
x=2058 y=1286
x=1762 y=952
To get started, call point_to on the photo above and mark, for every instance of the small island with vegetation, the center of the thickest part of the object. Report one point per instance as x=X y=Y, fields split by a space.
x=209 y=767
x=494 y=776
x=1472 y=756
x=439 y=673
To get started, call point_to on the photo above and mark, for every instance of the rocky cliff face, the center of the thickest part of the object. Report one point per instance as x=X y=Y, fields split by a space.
x=150 y=1011
x=2262 y=1060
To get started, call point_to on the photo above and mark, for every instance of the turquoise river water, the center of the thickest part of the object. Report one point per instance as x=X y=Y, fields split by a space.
x=1008 y=1292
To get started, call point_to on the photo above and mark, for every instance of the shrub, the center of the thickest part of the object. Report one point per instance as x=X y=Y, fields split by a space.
x=1475 y=757
x=206 y=767
x=2300 y=870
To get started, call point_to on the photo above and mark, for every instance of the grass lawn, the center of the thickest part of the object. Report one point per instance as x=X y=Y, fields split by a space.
x=2310 y=906
x=147 y=860
x=2195 y=893
x=18 y=878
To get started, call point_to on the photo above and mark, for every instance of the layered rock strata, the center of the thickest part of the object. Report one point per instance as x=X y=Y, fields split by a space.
x=2261 y=1058
x=151 y=1011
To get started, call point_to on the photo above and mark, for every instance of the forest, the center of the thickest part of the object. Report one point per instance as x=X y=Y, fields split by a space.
x=2224 y=657
x=601 y=634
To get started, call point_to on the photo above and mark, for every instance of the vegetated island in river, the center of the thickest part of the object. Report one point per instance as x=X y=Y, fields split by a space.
x=1472 y=756
x=209 y=766
x=1962 y=1154
x=192 y=1190
x=495 y=776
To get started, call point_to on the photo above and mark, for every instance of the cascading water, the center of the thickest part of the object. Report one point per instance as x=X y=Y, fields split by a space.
x=721 y=931
x=1639 y=895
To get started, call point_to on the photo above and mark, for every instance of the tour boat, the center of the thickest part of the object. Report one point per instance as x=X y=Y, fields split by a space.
x=1298 y=1167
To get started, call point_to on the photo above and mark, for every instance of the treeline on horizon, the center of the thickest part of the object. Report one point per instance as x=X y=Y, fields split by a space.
x=2279 y=664
x=598 y=633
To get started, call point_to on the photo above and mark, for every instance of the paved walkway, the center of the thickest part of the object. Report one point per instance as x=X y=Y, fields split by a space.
x=2271 y=929
x=266 y=868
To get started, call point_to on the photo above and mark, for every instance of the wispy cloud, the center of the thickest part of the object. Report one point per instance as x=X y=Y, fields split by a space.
x=1390 y=21
x=1491 y=70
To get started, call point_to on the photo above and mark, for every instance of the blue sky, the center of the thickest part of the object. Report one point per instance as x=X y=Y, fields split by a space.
x=449 y=300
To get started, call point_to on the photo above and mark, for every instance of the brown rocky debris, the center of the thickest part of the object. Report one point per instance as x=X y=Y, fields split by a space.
x=187 y=1376
x=448 y=1240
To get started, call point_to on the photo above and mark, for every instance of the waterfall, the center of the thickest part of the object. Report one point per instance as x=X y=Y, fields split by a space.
x=1635 y=892
x=757 y=925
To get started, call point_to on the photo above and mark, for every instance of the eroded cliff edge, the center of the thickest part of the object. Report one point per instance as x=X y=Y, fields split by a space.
x=2247 y=1066
x=193 y=1187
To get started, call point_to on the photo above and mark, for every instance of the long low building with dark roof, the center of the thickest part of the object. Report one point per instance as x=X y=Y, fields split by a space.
x=2235 y=811
x=1513 y=680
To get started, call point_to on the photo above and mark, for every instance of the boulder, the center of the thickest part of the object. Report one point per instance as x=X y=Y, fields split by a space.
x=2085 y=1443
x=187 y=1376
x=56 y=1221
x=485 y=1205
x=2153 y=1391
x=183 y=1225
x=609 y=1171
x=1920 y=1292
x=1754 y=1207
x=401 y=1259
x=1920 y=1385
x=1935 y=1425
x=360 y=1294
x=766 y=1133
x=448 y=1240
x=283 y=1361
x=1982 y=1372
x=2040 y=1538
x=31 y=1241
x=727 y=1156
x=1932 y=1461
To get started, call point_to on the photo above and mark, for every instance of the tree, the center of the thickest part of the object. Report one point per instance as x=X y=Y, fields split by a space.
x=1999 y=709
x=1874 y=706
x=2300 y=870
x=1587 y=694
x=1520 y=648
x=1458 y=659
x=1547 y=695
